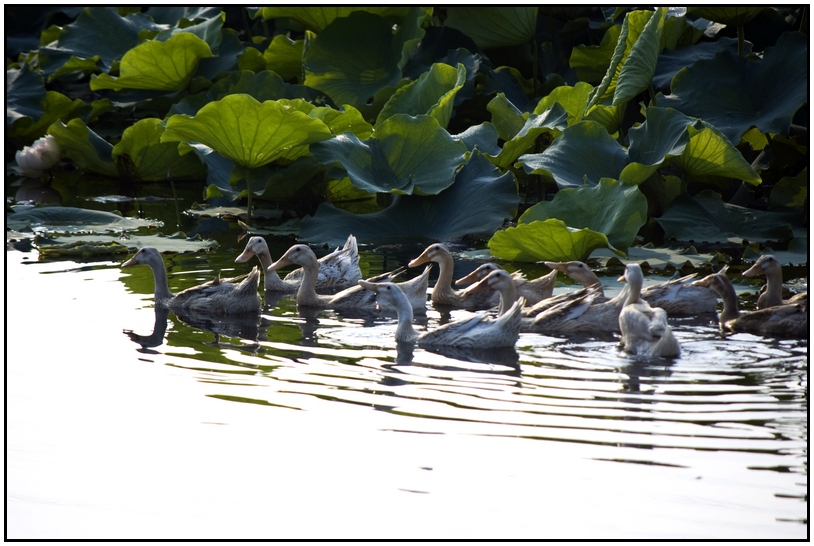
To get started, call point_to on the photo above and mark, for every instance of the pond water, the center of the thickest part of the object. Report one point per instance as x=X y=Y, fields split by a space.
x=319 y=426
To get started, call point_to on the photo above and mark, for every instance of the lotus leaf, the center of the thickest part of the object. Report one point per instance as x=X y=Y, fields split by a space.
x=208 y=29
x=791 y=192
x=734 y=93
x=506 y=117
x=284 y=57
x=494 y=26
x=796 y=254
x=317 y=19
x=591 y=62
x=88 y=151
x=710 y=153
x=670 y=62
x=25 y=95
x=552 y=121
x=549 y=240
x=246 y=131
x=101 y=244
x=151 y=158
x=663 y=134
x=353 y=58
x=709 y=219
x=660 y=258
x=55 y=107
x=156 y=65
x=729 y=15
x=72 y=220
x=585 y=152
x=477 y=204
x=405 y=154
x=613 y=208
x=573 y=99
x=484 y=137
x=172 y=15
x=432 y=94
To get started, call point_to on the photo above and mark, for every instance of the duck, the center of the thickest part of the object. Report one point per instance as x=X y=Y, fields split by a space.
x=442 y=293
x=644 y=329
x=503 y=283
x=678 y=297
x=216 y=297
x=533 y=291
x=788 y=320
x=354 y=297
x=478 y=332
x=337 y=270
x=772 y=293
x=584 y=311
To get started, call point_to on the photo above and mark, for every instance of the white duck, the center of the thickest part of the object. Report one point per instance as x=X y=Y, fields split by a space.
x=216 y=297
x=533 y=291
x=354 y=297
x=644 y=329
x=785 y=320
x=337 y=270
x=479 y=332
x=442 y=293
x=772 y=292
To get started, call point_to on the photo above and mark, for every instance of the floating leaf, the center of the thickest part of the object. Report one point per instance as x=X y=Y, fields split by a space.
x=709 y=219
x=156 y=65
x=493 y=26
x=585 y=152
x=72 y=220
x=246 y=131
x=550 y=240
x=478 y=203
x=614 y=208
x=660 y=258
x=100 y=244
x=405 y=154
x=734 y=93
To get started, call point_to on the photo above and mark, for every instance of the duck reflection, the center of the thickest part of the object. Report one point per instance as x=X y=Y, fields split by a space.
x=502 y=356
x=155 y=338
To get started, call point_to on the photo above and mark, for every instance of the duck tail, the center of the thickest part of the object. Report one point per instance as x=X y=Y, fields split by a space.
x=252 y=281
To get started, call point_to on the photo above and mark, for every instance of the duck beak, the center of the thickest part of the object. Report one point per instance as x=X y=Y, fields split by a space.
x=245 y=256
x=279 y=264
x=131 y=262
x=469 y=279
x=367 y=285
x=481 y=286
x=621 y=279
x=562 y=267
x=422 y=259
x=754 y=270
x=702 y=282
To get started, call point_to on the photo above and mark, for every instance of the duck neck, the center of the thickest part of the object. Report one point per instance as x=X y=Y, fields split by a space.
x=307 y=293
x=634 y=290
x=405 y=330
x=508 y=295
x=774 y=289
x=444 y=283
x=162 y=287
x=271 y=280
x=730 y=308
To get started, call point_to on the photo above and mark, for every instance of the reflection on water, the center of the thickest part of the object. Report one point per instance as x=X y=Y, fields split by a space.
x=738 y=402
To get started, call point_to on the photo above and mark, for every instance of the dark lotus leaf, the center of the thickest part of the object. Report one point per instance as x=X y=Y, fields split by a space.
x=709 y=219
x=728 y=15
x=25 y=94
x=484 y=137
x=317 y=19
x=494 y=26
x=734 y=93
x=477 y=204
x=673 y=60
x=71 y=220
x=172 y=15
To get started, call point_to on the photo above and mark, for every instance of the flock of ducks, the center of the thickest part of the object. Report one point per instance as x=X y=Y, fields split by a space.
x=637 y=314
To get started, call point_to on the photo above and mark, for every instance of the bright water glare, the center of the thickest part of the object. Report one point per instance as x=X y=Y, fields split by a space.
x=318 y=425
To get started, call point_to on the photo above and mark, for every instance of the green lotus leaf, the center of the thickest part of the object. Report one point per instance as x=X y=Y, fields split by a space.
x=156 y=65
x=284 y=56
x=55 y=107
x=262 y=86
x=790 y=192
x=638 y=45
x=670 y=62
x=707 y=218
x=285 y=182
x=585 y=152
x=405 y=154
x=549 y=240
x=477 y=204
x=345 y=196
x=591 y=62
x=252 y=60
x=609 y=117
x=728 y=15
x=175 y=15
x=663 y=134
x=710 y=153
x=87 y=150
x=317 y=19
x=209 y=29
x=152 y=159
x=248 y=132
x=73 y=220
x=25 y=95
x=506 y=117
x=573 y=99
x=103 y=244
x=734 y=93
x=552 y=121
x=431 y=94
x=493 y=26
x=614 y=208
x=98 y=33
x=353 y=58
x=484 y=137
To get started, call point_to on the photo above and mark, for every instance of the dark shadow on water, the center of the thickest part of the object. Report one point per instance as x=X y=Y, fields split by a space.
x=156 y=338
x=503 y=356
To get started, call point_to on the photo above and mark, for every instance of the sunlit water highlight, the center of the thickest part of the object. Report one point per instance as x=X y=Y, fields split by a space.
x=320 y=425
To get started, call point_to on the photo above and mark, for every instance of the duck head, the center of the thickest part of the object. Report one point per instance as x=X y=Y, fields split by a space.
x=479 y=274
x=433 y=253
x=255 y=247
x=301 y=255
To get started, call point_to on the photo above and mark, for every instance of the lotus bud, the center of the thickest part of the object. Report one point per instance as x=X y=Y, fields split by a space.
x=43 y=154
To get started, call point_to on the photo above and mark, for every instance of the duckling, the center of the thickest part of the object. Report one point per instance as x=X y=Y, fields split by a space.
x=772 y=292
x=481 y=331
x=337 y=270
x=216 y=297
x=645 y=331
x=787 y=320
x=676 y=296
x=442 y=293
x=354 y=297
x=533 y=291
